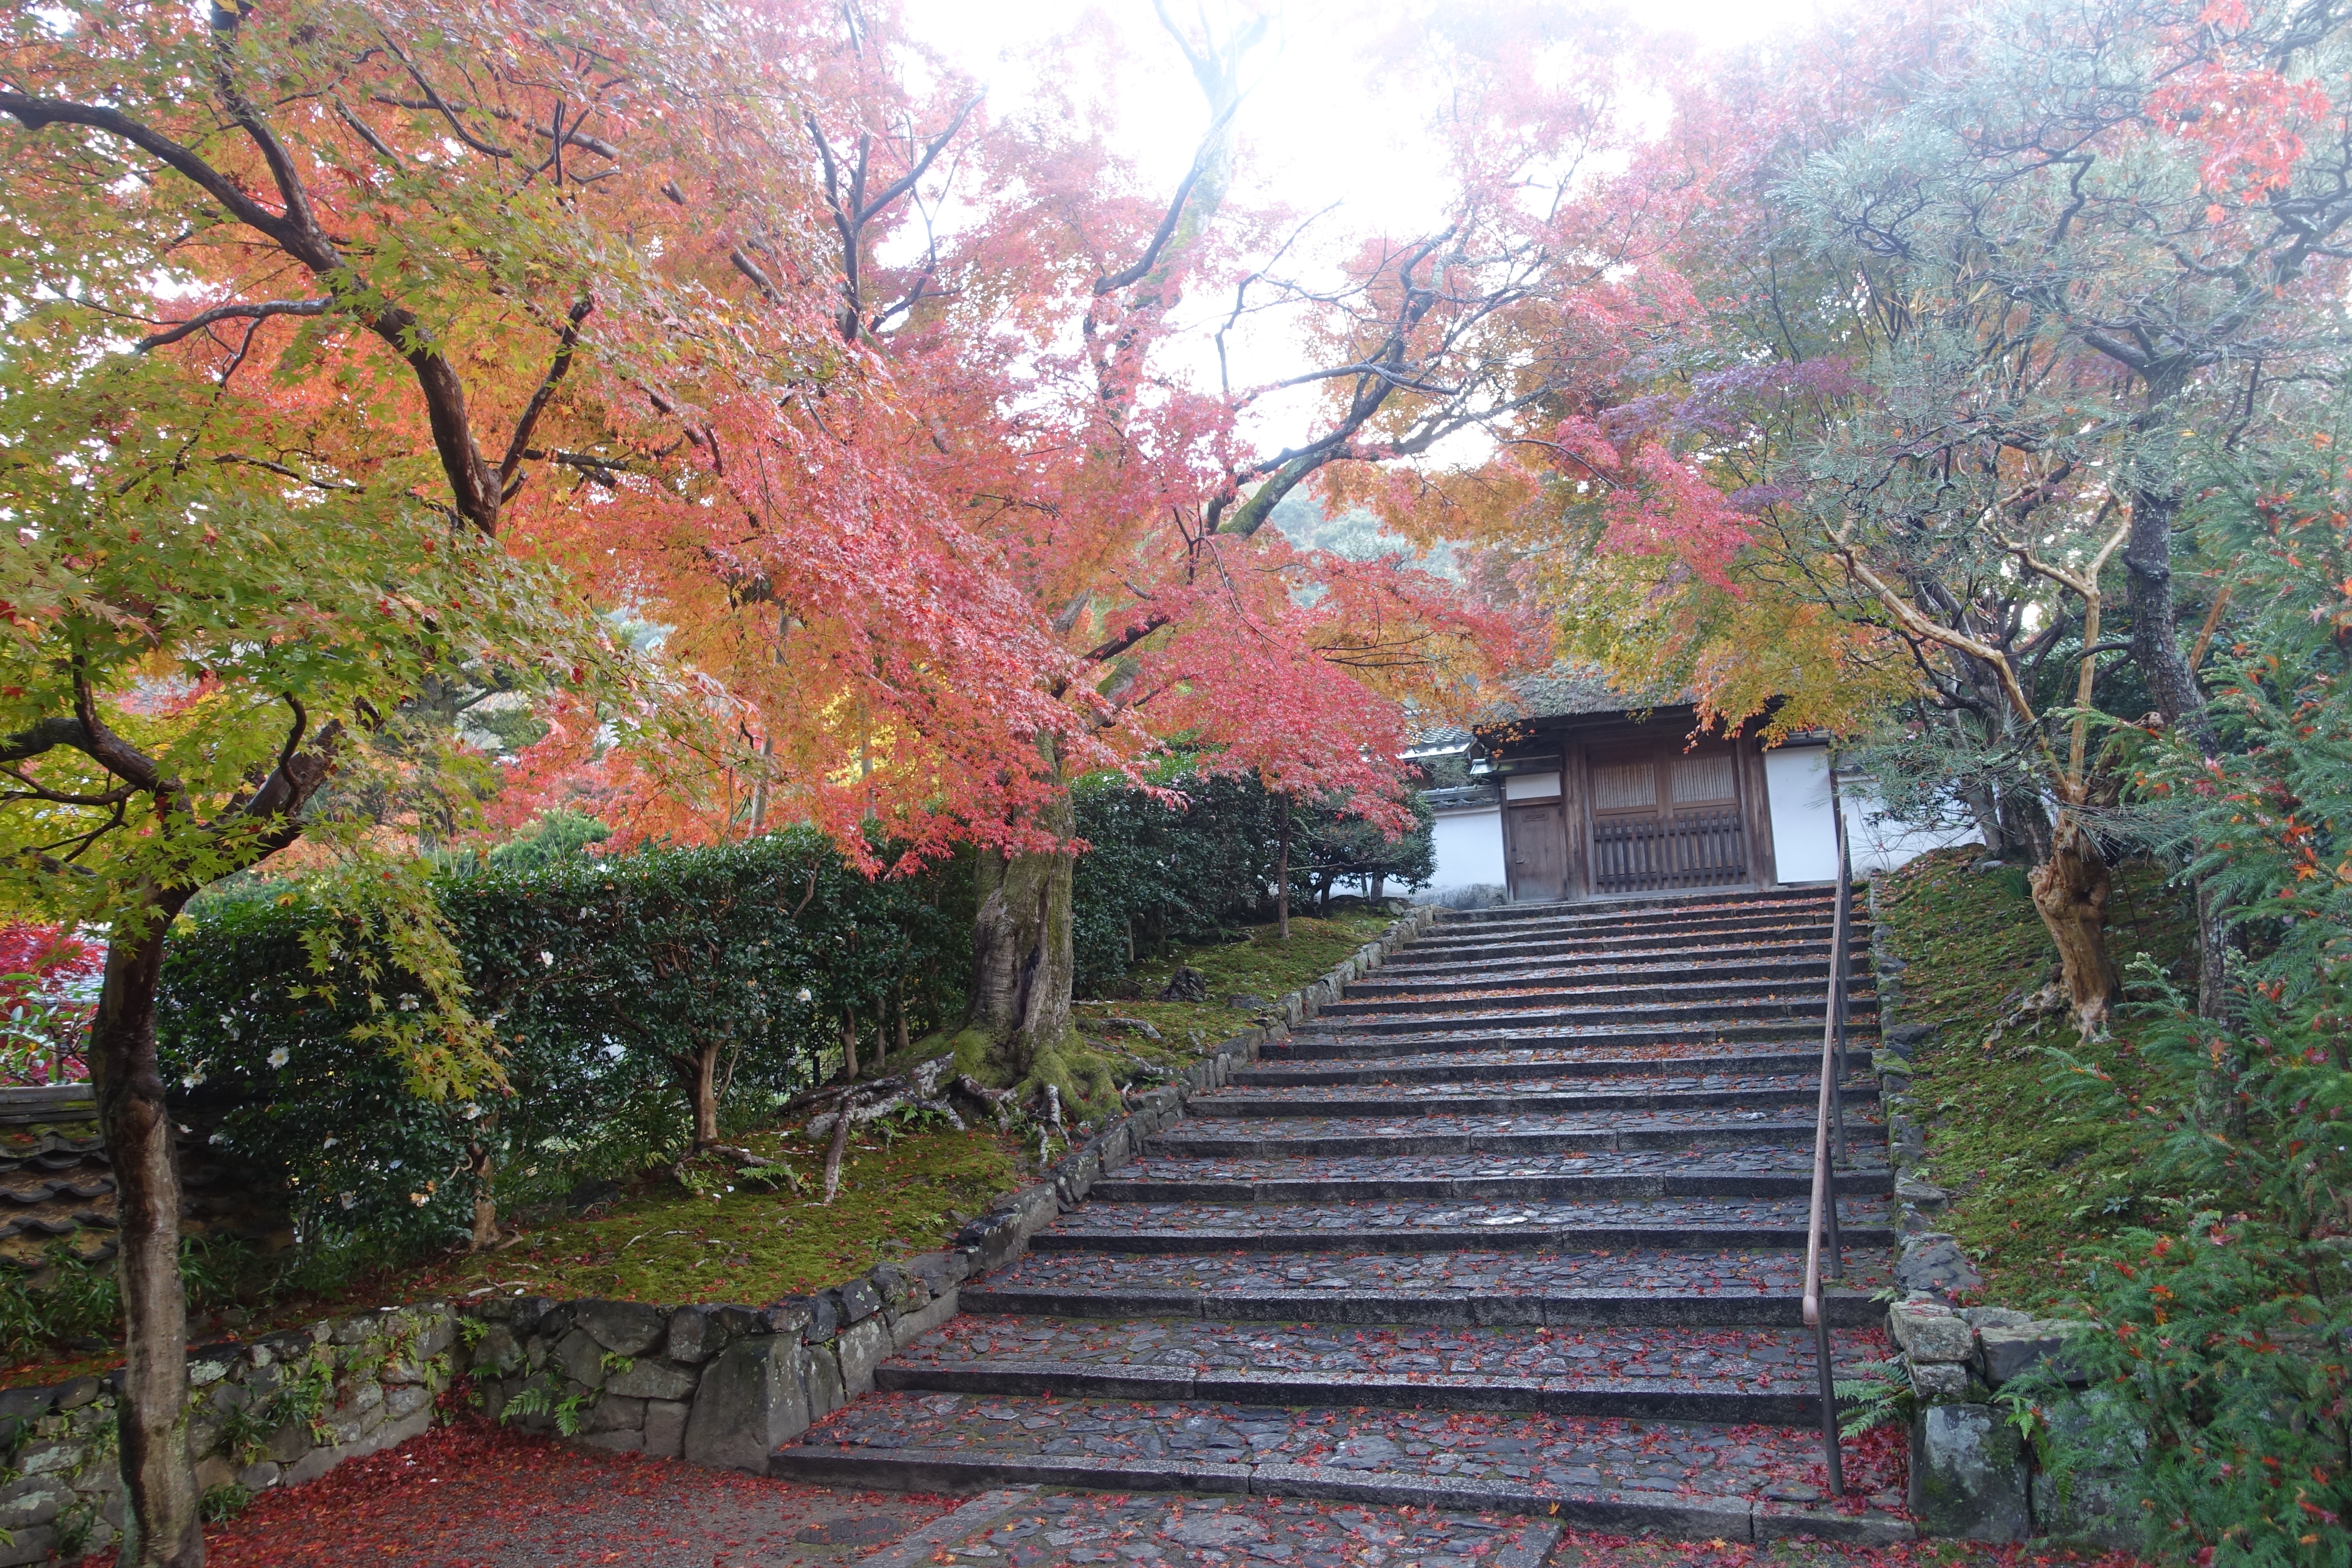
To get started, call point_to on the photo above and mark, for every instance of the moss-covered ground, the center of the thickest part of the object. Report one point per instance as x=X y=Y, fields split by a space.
x=2033 y=1171
x=1259 y=963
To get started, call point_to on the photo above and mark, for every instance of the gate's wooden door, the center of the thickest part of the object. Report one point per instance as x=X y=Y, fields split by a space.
x=1538 y=841
x=1662 y=819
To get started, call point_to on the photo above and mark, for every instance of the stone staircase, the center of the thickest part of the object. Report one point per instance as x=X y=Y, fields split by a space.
x=1518 y=1225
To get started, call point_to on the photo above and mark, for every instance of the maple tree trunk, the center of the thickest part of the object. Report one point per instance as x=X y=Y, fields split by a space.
x=162 y=1528
x=1281 y=872
x=1021 y=963
x=850 y=1044
x=2070 y=893
x=486 y=1206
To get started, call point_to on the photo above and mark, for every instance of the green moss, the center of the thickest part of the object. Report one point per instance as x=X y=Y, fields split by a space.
x=2033 y=1174
x=1261 y=963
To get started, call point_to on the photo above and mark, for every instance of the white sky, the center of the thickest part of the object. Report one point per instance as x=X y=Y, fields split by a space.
x=1303 y=138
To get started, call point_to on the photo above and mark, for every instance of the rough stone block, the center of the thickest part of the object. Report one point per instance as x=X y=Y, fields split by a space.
x=2009 y=1349
x=498 y=1350
x=312 y=1465
x=692 y=1339
x=1930 y=1331
x=821 y=1373
x=862 y=1347
x=405 y=1399
x=614 y=1413
x=31 y=1502
x=652 y=1379
x=935 y=1269
x=213 y=1470
x=1996 y=1317
x=1967 y=1474
x=750 y=1402
x=665 y=1427
x=626 y=1442
x=36 y=1543
x=393 y=1434
x=2092 y=1507
x=1935 y=1262
x=1938 y=1380
x=916 y=1324
x=582 y=1358
x=625 y=1328
x=257 y=1477
x=49 y=1460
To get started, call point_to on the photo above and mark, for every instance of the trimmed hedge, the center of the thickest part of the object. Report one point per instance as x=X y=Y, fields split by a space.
x=595 y=974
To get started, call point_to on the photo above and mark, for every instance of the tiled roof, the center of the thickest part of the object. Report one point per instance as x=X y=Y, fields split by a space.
x=1563 y=692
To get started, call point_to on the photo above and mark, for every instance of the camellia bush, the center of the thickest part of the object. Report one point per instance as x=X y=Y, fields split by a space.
x=639 y=1007
x=2223 y=1336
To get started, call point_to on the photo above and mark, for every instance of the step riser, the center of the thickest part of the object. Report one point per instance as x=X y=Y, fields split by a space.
x=1178 y=1146
x=1624 y=1402
x=1215 y=1108
x=1779 y=912
x=1366 y=1309
x=1761 y=1184
x=1676 y=1518
x=1858 y=1058
x=1497 y=1014
x=1374 y=996
x=1490 y=1238
x=1781 y=941
x=1651 y=905
x=1304 y=1047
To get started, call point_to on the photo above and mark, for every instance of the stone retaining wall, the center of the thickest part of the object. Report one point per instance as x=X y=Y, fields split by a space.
x=716 y=1385
x=1972 y=1474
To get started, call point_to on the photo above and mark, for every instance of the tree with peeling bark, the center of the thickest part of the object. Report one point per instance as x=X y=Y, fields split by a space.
x=337 y=333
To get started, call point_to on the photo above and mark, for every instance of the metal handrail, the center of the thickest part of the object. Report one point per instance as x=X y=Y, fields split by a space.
x=1829 y=1135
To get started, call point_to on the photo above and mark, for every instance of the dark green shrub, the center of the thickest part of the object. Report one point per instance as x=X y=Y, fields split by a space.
x=2224 y=1331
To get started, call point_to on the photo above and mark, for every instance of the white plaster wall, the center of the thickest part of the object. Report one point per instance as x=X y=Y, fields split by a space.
x=1469 y=846
x=1804 y=840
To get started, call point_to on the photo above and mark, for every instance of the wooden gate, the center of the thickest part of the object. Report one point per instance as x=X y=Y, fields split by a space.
x=1664 y=819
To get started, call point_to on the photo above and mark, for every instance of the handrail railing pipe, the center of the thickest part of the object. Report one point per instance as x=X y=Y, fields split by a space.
x=1828 y=1134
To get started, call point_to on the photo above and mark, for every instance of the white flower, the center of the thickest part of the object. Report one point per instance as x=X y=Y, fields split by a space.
x=329 y=1142
x=471 y=1111
x=803 y=994
x=347 y=1199
x=408 y=1003
x=416 y=1198
x=193 y=1077
x=546 y=957
x=218 y=1138
x=278 y=1058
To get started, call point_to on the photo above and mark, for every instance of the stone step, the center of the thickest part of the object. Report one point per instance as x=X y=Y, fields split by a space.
x=1588 y=917
x=1687 y=1479
x=1440 y=1227
x=1497 y=1012
x=1453 y=1099
x=1641 y=1374
x=1647 y=905
x=1788 y=957
x=1539 y=1066
x=1664 y=979
x=1568 y=974
x=1334 y=1044
x=1503 y=1137
x=1740 y=1171
x=1647 y=947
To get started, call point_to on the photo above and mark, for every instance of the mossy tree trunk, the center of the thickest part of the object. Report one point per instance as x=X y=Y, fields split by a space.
x=2070 y=892
x=1023 y=967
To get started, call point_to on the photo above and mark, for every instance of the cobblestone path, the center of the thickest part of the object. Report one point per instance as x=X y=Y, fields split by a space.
x=1516 y=1225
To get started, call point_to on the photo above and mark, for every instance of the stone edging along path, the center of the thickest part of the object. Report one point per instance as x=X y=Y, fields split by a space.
x=716 y=1385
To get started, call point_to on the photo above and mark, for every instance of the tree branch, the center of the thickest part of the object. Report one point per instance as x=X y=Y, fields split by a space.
x=258 y=310
x=547 y=385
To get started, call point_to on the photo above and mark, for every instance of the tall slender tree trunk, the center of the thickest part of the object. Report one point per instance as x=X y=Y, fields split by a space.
x=701 y=1075
x=1282 y=868
x=2172 y=680
x=160 y=1527
x=479 y=1167
x=2070 y=892
x=1022 y=963
x=850 y=1044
